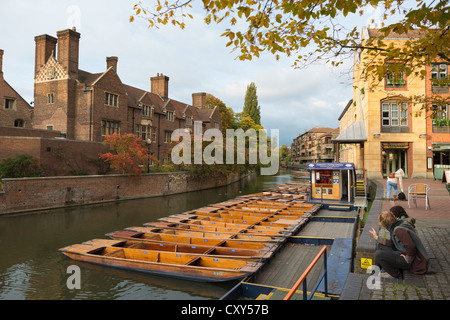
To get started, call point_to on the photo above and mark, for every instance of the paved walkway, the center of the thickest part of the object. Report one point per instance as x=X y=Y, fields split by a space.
x=433 y=227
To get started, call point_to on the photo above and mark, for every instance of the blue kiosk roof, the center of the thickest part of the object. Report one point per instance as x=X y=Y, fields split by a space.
x=330 y=166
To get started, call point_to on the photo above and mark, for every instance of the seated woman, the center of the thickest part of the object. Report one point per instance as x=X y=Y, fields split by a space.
x=407 y=251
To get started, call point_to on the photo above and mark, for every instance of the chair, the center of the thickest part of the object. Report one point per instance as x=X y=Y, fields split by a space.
x=419 y=191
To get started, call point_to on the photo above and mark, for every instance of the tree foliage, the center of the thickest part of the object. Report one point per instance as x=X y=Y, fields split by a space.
x=227 y=114
x=251 y=106
x=286 y=27
x=127 y=154
x=20 y=166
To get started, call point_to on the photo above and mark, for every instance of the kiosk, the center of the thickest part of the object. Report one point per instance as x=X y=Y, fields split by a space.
x=332 y=181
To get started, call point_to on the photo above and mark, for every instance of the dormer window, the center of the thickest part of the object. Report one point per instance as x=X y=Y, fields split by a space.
x=170 y=115
x=147 y=111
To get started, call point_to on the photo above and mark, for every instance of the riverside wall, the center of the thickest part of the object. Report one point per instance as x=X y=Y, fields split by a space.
x=27 y=194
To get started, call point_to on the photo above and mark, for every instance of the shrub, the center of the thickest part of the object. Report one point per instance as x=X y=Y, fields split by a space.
x=20 y=166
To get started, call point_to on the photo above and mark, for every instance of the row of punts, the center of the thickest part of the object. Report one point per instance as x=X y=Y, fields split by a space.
x=220 y=242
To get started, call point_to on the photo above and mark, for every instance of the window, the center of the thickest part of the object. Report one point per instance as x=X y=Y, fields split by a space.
x=394 y=116
x=439 y=75
x=50 y=98
x=169 y=115
x=167 y=136
x=439 y=112
x=110 y=127
x=111 y=99
x=9 y=103
x=147 y=111
x=395 y=78
x=188 y=121
x=19 y=123
x=49 y=128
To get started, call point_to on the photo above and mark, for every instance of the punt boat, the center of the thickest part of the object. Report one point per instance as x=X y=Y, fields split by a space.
x=171 y=264
x=210 y=251
x=245 y=229
x=262 y=247
x=214 y=235
x=258 y=225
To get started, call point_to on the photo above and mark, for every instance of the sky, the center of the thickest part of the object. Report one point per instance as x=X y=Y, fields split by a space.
x=195 y=59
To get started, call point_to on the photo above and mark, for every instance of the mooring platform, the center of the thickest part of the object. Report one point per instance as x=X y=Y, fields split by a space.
x=331 y=228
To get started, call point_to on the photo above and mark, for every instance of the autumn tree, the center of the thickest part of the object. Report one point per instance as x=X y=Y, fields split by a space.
x=127 y=154
x=312 y=30
x=227 y=114
x=251 y=106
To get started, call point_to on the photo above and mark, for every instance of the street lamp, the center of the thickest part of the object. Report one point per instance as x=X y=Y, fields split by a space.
x=149 y=142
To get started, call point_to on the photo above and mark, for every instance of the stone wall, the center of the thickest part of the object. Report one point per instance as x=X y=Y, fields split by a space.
x=26 y=194
x=366 y=246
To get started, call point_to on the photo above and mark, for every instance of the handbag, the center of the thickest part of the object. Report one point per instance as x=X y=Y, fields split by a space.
x=401 y=196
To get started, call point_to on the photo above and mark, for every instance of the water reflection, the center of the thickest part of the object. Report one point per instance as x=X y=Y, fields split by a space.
x=32 y=268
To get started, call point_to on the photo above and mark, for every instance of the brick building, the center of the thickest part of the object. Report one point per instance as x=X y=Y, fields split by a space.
x=76 y=110
x=381 y=132
x=89 y=106
x=314 y=145
x=14 y=110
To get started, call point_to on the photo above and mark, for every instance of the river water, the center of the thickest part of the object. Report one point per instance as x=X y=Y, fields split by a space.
x=32 y=268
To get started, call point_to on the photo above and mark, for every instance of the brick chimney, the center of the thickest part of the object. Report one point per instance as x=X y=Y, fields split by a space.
x=68 y=51
x=1 y=64
x=112 y=62
x=45 y=48
x=160 y=85
x=199 y=100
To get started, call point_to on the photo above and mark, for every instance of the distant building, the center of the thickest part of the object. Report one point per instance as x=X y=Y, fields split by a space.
x=314 y=145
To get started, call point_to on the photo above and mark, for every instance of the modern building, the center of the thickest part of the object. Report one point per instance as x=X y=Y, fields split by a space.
x=380 y=131
x=314 y=145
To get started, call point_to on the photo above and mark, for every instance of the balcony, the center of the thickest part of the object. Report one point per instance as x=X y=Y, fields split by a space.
x=440 y=85
x=441 y=125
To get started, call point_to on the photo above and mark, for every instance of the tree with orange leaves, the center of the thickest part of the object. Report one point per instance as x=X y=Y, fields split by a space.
x=127 y=154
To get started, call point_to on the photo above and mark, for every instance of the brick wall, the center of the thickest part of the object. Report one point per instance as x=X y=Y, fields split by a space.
x=39 y=193
x=57 y=156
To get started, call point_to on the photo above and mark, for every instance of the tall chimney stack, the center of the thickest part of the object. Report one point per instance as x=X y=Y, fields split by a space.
x=160 y=85
x=45 y=48
x=199 y=100
x=112 y=62
x=68 y=51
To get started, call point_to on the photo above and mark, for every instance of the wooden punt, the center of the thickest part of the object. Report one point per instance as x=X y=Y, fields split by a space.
x=213 y=221
x=262 y=247
x=214 y=235
x=245 y=229
x=178 y=265
x=199 y=250
x=254 y=225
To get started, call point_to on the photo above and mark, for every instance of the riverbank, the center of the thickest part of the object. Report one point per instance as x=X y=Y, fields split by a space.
x=30 y=194
x=433 y=227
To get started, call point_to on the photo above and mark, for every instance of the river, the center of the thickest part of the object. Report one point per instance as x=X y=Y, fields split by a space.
x=31 y=268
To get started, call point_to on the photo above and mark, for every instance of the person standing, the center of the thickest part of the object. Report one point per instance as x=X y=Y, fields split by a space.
x=391 y=183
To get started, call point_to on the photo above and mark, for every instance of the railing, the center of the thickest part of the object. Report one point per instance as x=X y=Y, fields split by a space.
x=302 y=278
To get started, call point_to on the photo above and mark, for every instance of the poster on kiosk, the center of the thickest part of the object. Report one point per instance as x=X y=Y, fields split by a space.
x=332 y=180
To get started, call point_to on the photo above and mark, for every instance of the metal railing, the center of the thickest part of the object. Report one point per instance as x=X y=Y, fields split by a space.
x=302 y=278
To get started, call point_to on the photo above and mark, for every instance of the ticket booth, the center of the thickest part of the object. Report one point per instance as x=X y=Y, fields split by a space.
x=332 y=181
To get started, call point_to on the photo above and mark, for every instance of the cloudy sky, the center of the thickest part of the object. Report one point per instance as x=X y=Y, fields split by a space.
x=195 y=59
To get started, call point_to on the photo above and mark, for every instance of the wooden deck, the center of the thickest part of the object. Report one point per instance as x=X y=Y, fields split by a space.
x=289 y=264
x=321 y=229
